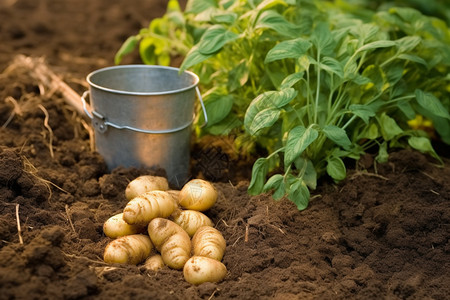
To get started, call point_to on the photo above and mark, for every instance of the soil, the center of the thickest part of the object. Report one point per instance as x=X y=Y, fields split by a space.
x=383 y=233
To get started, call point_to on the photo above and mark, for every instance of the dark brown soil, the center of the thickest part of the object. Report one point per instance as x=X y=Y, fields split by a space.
x=381 y=234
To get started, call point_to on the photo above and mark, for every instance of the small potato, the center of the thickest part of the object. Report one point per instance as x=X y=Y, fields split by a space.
x=116 y=227
x=154 y=263
x=198 y=194
x=144 y=208
x=200 y=269
x=209 y=242
x=171 y=241
x=191 y=220
x=130 y=249
x=145 y=183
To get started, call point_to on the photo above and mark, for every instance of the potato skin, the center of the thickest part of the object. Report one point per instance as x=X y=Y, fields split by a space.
x=145 y=183
x=198 y=194
x=175 y=194
x=191 y=220
x=209 y=242
x=144 y=208
x=154 y=263
x=200 y=269
x=171 y=241
x=130 y=249
x=116 y=227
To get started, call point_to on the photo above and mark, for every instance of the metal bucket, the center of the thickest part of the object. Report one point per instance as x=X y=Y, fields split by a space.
x=142 y=117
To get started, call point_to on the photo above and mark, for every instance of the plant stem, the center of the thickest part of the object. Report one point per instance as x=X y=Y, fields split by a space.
x=317 y=86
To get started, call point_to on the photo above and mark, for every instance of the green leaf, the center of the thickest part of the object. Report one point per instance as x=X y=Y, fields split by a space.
x=268 y=100
x=389 y=127
x=147 y=51
x=270 y=19
x=263 y=119
x=363 y=111
x=288 y=49
x=413 y=58
x=238 y=76
x=291 y=80
x=127 y=47
x=266 y=4
x=218 y=106
x=423 y=144
x=382 y=156
x=224 y=17
x=370 y=132
x=332 y=66
x=432 y=104
x=276 y=182
x=193 y=58
x=408 y=43
x=198 y=6
x=323 y=39
x=336 y=168
x=306 y=171
x=225 y=126
x=376 y=45
x=299 y=194
x=337 y=135
x=259 y=173
x=214 y=39
x=299 y=138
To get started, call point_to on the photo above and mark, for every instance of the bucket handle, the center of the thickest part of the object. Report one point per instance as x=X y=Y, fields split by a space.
x=99 y=122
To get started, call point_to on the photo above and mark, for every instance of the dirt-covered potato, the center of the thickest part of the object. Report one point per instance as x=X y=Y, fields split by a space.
x=145 y=183
x=130 y=249
x=144 y=208
x=154 y=263
x=171 y=241
x=191 y=220
x=209 y=242
x=116 y=227
x=200 y=269
x=198 y=194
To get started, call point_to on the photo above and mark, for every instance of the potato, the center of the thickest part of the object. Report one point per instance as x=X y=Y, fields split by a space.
x=154 y=263
x=209 y=242
x=198 y=194
x=145 y=183
x=175 y=194
x=200 y=269
x=142 y=209
x=116 y=227
x=130 y=249
x=191 y=220
x=171 y=241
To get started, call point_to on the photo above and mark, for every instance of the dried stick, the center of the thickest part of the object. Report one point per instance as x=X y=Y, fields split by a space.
x=19 y=229
x=69 y=218
x=41 y=72
x=50 y=139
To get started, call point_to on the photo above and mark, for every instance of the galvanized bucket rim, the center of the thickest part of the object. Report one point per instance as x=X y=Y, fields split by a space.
x=132 y=66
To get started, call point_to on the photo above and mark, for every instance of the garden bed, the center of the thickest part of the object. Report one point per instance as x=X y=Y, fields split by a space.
x=381 y=233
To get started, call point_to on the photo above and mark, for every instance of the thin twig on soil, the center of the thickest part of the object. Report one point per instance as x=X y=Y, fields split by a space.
x=360 y=173
x=212 y=295
x=19 y=229
x=85 y=258
x=50 y=142
x=70 y=219
x=246 y=233
x=15 y=111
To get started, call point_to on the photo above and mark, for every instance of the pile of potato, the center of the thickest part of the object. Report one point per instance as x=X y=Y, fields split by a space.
x=171 y=222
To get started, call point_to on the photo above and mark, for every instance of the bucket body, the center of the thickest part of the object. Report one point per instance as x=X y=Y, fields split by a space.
x=142 y=117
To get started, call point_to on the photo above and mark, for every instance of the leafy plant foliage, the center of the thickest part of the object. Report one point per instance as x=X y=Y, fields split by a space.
x=311 y=82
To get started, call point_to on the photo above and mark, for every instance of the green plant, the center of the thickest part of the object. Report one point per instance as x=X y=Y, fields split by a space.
x=313 y=83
